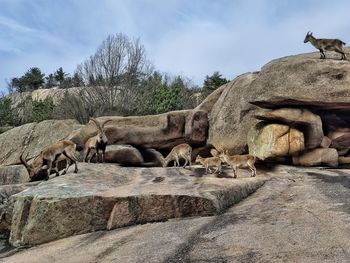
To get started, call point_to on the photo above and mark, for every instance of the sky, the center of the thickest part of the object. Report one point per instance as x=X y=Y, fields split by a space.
x=193 y=38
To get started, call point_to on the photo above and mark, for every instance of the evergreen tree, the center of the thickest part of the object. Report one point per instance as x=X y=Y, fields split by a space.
x=60 y=75
x=34 y=78
x=6 y=114
x=50 y=81
x=77 y=80
x=212 y=82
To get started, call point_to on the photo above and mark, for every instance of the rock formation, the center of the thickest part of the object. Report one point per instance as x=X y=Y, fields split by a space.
x=275 y=140
x=301 y=81
x=317 y=157
x=296 y=109
x=105 y=196
x=162 y=131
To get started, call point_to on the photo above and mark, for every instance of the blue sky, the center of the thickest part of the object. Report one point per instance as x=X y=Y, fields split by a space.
x=193 y=38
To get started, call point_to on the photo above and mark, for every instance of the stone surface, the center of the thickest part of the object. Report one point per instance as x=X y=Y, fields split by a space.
x=344 y=160
x=301 y=215
x=232 y=116
x=33 y=137
x=55 y=93
x=209 y=102
x=13 y=174
x=340 y=139
x=338 y=133
x=326 y=142
x=6 y=205
x=304 y=120
x=342 y=142
x=320 y=156
x=162 y=131
x=123 y=154
x=302 y=81
x=152 y=157
x=105 y=196
x=274 y=140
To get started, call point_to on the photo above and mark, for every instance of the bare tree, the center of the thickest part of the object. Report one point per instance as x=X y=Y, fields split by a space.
x=80 y=103
x=115 y=72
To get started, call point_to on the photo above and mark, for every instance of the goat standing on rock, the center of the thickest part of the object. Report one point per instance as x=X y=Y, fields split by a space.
x=239 y=161
x=98 y=143
x=50 y=156
x=179 y=151
x=210 y=162
x=323 y=44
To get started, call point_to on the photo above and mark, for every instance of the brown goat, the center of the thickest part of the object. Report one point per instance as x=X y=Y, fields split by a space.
x=50 y=157
x=210 y=162
x=239 y=161
x=323 y=44
x=179 y=151
x=97 y=143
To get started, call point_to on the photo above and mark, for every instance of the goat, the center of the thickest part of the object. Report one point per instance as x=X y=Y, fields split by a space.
x=179 y=151
x=208 y=162
x=214 y=152
x=97 y=142
x=323 y=44
x=239 y=161
x=50 y=156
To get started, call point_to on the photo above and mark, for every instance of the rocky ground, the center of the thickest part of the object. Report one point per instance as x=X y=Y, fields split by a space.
x=107 y=196
x=299 y=215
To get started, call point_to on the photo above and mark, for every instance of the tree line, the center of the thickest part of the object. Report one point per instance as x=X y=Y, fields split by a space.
x=118 y=79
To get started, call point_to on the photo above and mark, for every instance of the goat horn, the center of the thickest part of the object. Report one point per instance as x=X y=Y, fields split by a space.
x=98 y=125
x=23 y=161
x=103 y=124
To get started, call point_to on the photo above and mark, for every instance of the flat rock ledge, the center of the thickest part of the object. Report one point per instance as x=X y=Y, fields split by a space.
x=106 y=196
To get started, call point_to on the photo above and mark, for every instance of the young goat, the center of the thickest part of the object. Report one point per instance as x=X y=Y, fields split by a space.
x=239 y=161
x=179 y=151
x=97 y=143
x=210 y=162
x=323 y=44
x=50 y=156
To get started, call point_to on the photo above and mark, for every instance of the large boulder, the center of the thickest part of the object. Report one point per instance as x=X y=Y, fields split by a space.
x=232 y=116
x=208 y=103
x=302 y=81
x=33 y=137
x=310 y=124
x=13 y=174
x=274 y=140
x=342 y=142
x=6 y=205
x=326 y=142
x=162 y=131
x=107 y=196
x=123 y=154
x=54 y=93
x=152 y=157
x=320 y=156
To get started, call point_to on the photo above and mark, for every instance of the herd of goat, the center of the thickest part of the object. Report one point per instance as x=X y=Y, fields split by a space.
x=65 y=150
